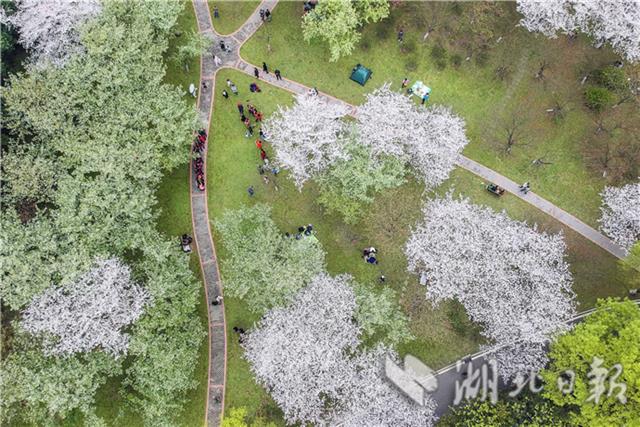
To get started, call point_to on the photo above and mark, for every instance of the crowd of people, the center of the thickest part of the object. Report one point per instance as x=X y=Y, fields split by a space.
x=199 y=145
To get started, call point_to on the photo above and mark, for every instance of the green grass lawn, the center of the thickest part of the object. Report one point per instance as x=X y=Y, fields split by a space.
x=175 y=219
x=443 y=333
x=232 y=14
x=487 y=103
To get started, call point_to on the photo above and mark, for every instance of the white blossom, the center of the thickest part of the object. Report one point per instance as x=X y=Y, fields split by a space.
x=620 y=218
x=373 y=401
x=89 y=313
x=307 y=356
x=307 y=137
x=49 y=28
x=616 y=22
x=510 y=278
x=428 y=139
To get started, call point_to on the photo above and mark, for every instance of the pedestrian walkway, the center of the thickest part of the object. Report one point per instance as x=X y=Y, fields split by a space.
x=230 y=58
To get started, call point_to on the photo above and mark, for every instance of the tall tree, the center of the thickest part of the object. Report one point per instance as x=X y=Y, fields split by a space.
x=114 y=128
x=308 y=137
x=337 y=22
x=615 y=22
x=50 y=29
x=612 y=336
x=263 y=267
x=43 y=390
x=350 y=184
x=90 y=313
x=429 y=140
x=510 y=278
x=306 y=355
x=620 y=218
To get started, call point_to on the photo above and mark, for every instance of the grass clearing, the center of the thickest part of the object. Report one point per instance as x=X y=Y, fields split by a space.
x=443 y=333
x=473 y=90
x=233 y=13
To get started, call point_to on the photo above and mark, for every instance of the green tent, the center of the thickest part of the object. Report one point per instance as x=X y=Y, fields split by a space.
x=360 y=74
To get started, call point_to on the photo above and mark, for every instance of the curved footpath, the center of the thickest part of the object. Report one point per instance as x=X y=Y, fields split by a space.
x=200 y=213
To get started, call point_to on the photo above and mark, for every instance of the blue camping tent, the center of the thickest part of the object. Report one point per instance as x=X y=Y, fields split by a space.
x=360 y=74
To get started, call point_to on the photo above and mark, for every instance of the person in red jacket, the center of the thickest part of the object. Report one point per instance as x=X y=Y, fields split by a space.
x=259 y=144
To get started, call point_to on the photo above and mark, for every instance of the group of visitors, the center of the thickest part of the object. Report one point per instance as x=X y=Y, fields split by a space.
x=265 y=70
x=303 y=230
x=370 y=255
x=199 y=144
x=185 y=243
x=524 y=188
x=253 y=111
x=265 y=15
x=231 y=85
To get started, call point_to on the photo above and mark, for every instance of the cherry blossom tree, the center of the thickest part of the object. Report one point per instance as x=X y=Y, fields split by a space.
x=300 y=353
x=307 y=137
x=616 y=22
x=49 y=29
x=510 y=278
x=620 y=218
x=307 y=356
x=429 y=140
x=374 y=401
x=89 y=313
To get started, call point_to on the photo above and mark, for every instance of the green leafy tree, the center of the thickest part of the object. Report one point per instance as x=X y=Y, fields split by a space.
x=237 y=417
x=165 y=341
x=261 y=265
x=195 y=45
x=524 y=410
x=379 y=316
x=611 y=334
x=337 y=22
x=43 y=390
x=598 y=98
x=30 y=172
x=349 y=185
x=112 y=128
x=631 y=265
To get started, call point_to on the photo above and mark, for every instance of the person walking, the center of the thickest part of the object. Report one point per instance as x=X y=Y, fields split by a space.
x=525 y=187
x=400 y=35
x=265 y=68
x=229 y=82
x=261 y=133
x=251 y=191
x=262 y=15
x=217 y=60
x=225 y=94
x=256 y=72
x=216 y=12
x=234 y=89
x=405 y=83
x=240 y=109
x=267 y=14
x=259 y=144
x=278 y=76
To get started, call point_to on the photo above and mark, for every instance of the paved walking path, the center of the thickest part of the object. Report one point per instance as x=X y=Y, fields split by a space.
x=200 y=214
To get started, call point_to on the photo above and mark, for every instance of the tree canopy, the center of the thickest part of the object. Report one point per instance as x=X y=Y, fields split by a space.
x=510 y=278
x=611 y=335
x=336 y=22
x=101 y=130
